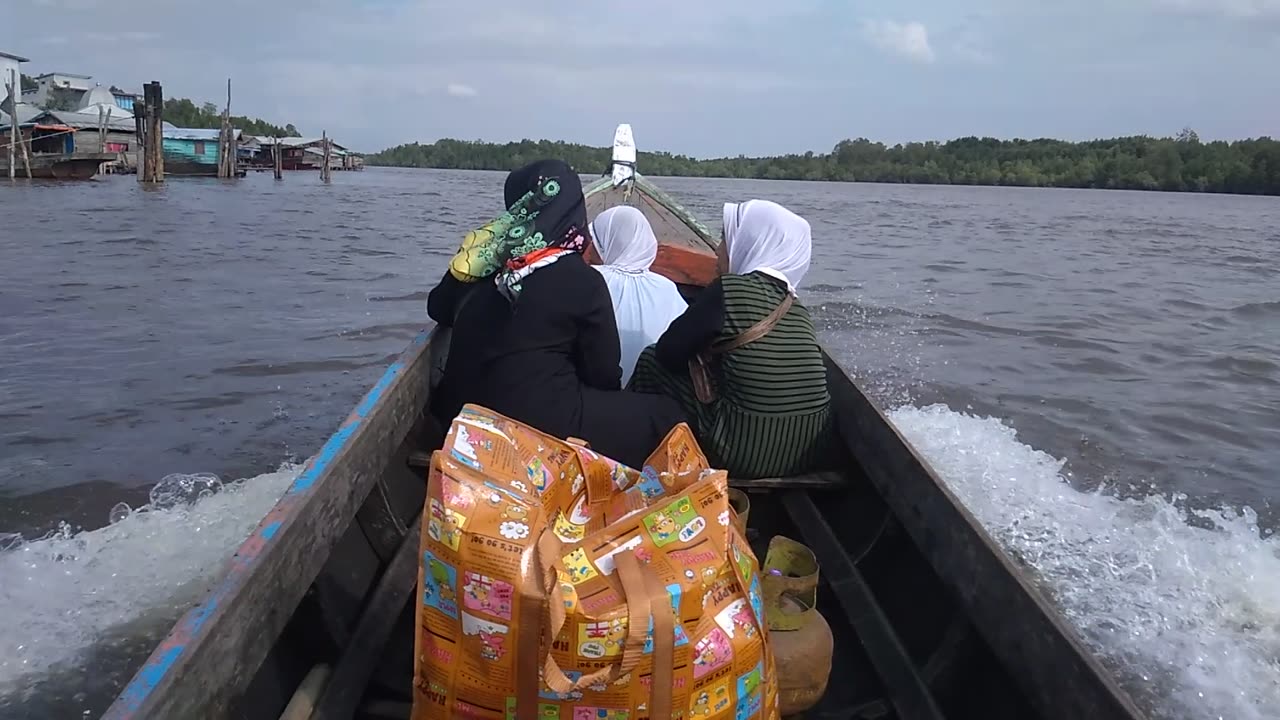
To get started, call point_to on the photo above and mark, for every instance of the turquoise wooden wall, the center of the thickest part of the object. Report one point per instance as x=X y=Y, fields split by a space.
x=185 y=151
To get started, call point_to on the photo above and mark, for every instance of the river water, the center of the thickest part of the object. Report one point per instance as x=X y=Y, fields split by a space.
x=1096 y=374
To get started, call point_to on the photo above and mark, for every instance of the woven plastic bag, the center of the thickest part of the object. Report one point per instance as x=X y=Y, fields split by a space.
x=556 y=584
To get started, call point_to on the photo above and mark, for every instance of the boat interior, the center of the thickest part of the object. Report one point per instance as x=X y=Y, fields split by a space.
x=930 y=618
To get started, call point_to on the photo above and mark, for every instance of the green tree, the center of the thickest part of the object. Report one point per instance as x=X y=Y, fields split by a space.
x=182 y=112
x=1180 y=163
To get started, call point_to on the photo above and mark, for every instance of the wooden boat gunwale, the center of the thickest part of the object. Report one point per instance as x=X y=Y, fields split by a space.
x=358 y=489
x=234 y=625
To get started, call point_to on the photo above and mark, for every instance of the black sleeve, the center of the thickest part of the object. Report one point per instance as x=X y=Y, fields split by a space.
x=694 y=330
x=598 y=352
x=443 y=300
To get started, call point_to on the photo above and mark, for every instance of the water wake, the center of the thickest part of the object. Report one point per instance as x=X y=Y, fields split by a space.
x=71 y=596
x=1182 y=604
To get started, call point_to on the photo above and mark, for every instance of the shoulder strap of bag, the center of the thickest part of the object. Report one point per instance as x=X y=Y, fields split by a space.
x=755 y=332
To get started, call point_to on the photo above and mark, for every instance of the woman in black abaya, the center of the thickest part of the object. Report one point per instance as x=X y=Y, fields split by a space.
x=534 y=335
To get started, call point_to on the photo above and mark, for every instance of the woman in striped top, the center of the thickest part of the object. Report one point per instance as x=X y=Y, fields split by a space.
x=769 y=414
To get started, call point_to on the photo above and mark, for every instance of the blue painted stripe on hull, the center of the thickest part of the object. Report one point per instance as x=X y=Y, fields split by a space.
x=170 y=650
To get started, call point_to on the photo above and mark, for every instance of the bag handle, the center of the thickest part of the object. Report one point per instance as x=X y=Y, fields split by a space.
x=699 y=364
x=639 y=607
x=600 y=489
x=755 y=332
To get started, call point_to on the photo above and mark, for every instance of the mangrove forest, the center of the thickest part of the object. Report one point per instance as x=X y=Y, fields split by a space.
x=1181 y=163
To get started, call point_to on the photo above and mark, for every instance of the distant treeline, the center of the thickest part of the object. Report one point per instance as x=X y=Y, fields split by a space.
x=186 y=114
x=1181 y=163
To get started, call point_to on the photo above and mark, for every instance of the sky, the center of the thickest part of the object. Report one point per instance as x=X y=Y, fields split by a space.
x=700 y=77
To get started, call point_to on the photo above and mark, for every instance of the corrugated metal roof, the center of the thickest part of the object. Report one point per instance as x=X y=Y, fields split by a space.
x=293 y=141
x=81 y=120
x=320 y=151
x=11 y=56
x=26 y=114
x=177 y=133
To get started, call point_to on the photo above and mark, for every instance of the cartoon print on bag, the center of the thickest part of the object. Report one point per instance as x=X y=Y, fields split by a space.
x=602 y=639
x=439 y=585
x=513 y=530
x=492 y=636
x=465 y=444
x=757 y=601
x=599 y=713
x=650 y=486
x=707 y=575
x=548 y=694
x=518 y=513
x=579 y=567
x=737 y=616
x=709 y=701
x=749 y=695
x=675 y=521
x=445 y=525
x=567 y=591
x=456 y=495
x=487 y=595
x=566 y=530
x=711 y=653
x=538 y=474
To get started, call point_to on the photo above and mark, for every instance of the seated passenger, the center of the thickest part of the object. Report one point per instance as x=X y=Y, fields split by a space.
x=533 y=330
x=644 y=302
x=766 y=412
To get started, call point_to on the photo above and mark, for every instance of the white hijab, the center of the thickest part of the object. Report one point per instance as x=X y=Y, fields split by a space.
x=763 y=236
x=644 y=302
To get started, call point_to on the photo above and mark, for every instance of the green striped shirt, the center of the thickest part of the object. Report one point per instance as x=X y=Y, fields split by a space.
x=783 y=372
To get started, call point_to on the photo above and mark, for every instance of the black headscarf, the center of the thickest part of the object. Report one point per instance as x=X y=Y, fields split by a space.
x=546 y=210
x=562 y=214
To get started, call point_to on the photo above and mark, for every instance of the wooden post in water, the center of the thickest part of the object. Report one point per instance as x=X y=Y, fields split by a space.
x=277 y=159
x=226 y=141
x=324 y=169
x=15 y=136
x=26 y=156
x=139 y=138
x=104 y=124
x=154 y=149
x=11 y=85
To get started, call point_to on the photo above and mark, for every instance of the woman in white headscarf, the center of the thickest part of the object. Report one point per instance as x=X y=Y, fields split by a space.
x=644 y=302
x=744 y=359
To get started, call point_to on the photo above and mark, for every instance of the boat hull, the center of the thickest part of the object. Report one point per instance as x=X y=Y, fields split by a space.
x=60 y=166
x=930 y=618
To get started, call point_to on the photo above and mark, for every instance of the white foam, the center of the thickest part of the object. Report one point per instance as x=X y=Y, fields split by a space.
x=1187 y=614
x=60 y=594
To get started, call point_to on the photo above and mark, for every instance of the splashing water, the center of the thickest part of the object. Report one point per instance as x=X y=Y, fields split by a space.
x=71 y=596
x=1184 y=605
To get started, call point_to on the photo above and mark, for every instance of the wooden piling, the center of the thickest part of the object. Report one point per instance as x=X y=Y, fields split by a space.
x=11 y=85
x=277 y=159
x=26 y=156
x=139 y=138
x=153 y=153
x=325 y=171
x=227 y=142
x=16 y=139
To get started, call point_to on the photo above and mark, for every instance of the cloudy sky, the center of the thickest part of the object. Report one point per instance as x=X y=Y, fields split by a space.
x=704 y=77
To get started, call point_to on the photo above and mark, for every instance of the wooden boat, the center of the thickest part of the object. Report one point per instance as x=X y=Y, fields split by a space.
x=313 y=617
x=59 y=166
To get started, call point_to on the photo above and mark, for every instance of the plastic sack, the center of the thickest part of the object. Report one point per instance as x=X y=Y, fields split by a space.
x=558 y=584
